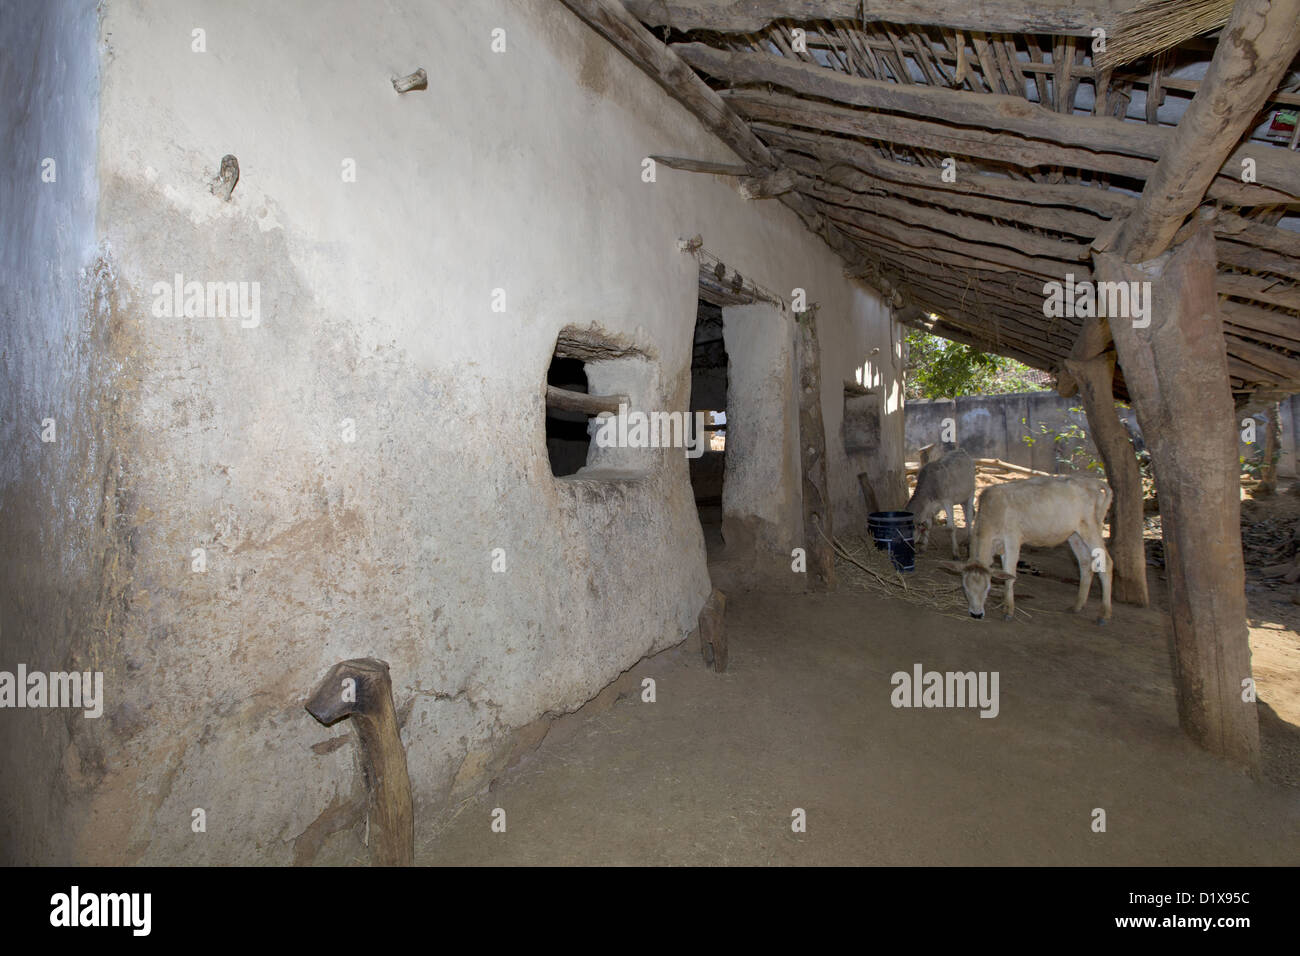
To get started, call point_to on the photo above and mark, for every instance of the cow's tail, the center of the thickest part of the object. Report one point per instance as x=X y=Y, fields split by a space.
x=1103 y=503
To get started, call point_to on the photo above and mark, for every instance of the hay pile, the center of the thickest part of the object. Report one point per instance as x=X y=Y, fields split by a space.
x=859 y=565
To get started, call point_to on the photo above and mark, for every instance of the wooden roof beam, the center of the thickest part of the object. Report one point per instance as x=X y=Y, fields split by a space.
x=1069 y=17
x=955 y=260
x=998 y=257
x=965 y=227
x=901 y=270
x=1010 y=148
x=612 y=21
x=1260 y=289
x=1278 y=324
x=847 y=187
x=1253 y=53
x=832 y=149
x=1242 y=256
x=857 y=167
x=1276 y=168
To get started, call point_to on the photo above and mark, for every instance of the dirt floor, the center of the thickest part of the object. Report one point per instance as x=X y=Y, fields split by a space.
x=711 y=772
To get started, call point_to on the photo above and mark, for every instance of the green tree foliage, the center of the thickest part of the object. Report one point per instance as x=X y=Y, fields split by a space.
x=940 y=368
x=1069 y=444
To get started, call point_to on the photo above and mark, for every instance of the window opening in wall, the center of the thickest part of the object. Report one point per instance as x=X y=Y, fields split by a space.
x=592 y=373
x=568 y=438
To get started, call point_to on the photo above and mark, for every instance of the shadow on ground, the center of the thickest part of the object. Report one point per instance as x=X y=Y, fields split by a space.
x=711 y=772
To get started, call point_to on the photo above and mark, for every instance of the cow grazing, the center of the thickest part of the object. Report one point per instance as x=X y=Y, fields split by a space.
x=942 y=484
x=1041 y=513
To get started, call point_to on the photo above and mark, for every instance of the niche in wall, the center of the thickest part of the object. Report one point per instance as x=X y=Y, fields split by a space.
x=860 y=431
x=861 y=424
x=590 y=375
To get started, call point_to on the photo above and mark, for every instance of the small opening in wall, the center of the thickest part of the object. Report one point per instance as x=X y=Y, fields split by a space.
x=591 y=376
x=568 y=438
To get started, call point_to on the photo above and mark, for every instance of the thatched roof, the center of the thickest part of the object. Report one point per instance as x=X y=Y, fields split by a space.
x=849 y=111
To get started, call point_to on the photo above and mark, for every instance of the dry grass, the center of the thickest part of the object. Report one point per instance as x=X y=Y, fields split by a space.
x=1153 y=26
x=859 y=565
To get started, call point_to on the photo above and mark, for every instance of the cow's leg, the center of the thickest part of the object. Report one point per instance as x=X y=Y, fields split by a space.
x=952 y=527
x=969 y=509
x=1083 y=555
x=1010 y=558
x=1106 y=579
x=1097 y=543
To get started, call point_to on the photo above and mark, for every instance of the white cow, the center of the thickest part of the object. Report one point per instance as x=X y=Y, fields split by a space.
x=942 y=484
x=1041 y=513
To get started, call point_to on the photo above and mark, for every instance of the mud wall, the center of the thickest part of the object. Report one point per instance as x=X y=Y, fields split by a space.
x=57 y=496
x=357 y=465
x=996 y=426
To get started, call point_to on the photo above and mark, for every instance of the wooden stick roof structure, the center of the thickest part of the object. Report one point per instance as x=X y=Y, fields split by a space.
x=960 y=156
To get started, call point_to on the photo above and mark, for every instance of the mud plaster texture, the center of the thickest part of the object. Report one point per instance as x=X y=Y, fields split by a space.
x=518 y=172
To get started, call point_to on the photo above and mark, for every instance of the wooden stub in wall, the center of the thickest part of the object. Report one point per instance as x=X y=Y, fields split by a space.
x=568 y=400
x=361 y=689
x=713 y=634
x=818 y=529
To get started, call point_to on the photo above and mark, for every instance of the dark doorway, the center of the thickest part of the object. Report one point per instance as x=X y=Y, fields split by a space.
x=709 y=394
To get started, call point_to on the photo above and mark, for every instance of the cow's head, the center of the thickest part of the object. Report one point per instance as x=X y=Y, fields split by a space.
x=922 y=524
x=976 y=579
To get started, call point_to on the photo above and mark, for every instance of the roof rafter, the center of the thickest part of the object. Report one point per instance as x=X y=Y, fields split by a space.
x=852 y=122
x=1072 y=17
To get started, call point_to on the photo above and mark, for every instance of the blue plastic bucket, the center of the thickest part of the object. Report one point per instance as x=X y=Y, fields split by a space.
x=893 y=532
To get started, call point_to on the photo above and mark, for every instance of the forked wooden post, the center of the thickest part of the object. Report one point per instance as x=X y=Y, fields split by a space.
x=361 y=689
x=1177 y=371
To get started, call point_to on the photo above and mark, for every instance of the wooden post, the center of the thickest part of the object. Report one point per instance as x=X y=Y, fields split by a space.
x=868 y=492
x=817 y=524
x=1250 y=59
x=713 y=631
x=1095 y=379
x=1177 y=371
x=361 y=689
x=1272 y=434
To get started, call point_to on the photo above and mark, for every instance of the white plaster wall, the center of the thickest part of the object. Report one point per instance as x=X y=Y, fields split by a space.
x=50 y=493
x=48 y=112
x=862 y=344
x=761 y=505
x=518 y=171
